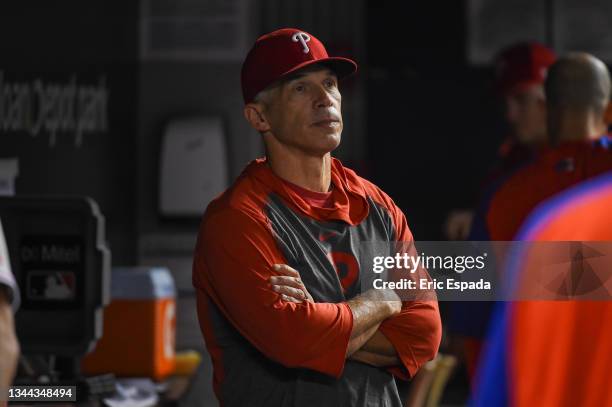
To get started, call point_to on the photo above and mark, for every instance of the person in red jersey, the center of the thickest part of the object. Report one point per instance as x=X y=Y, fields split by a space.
x=277 y=262
x=556 y=352
x=520 y=72
x=568 y=341
x=578 y=93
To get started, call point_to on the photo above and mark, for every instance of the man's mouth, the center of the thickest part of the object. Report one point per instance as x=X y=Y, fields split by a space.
x=327 y=123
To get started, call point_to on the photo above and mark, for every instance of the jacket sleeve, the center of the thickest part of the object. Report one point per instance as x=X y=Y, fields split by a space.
x=416 y=331
x=232 y=264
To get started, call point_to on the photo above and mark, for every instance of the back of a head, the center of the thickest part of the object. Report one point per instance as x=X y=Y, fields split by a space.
x=578 y=83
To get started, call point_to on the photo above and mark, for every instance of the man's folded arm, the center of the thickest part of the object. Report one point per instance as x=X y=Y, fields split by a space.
x=404 y=342
x=415 y=334
x=412 y=336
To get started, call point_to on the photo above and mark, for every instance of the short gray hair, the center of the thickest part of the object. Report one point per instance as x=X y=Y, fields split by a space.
x=265 y=96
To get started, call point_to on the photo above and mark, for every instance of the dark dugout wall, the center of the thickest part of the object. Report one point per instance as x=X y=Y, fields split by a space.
x=68 y=104
x=435 y=127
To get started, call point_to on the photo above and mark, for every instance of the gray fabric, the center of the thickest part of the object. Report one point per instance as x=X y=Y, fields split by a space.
x=251 y=379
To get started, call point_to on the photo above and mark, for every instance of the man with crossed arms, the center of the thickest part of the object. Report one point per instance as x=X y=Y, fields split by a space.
x=276 y=266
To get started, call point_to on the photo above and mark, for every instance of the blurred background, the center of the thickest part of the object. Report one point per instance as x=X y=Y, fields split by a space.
x=122 y=101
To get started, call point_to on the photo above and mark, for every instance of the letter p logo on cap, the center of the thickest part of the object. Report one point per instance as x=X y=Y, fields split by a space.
x=303 y=38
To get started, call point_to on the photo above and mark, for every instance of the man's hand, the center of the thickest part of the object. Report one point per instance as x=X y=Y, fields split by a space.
x=9 y=347
x=289 y=285
x=458 y=224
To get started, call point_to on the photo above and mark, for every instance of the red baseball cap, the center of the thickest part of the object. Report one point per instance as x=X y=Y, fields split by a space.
x=282 y=52
x=522 y=65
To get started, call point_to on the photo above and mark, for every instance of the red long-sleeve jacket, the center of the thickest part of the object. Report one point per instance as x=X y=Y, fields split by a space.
x=266 y=351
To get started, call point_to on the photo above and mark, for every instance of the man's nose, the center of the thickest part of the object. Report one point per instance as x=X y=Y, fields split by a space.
x=323 y=98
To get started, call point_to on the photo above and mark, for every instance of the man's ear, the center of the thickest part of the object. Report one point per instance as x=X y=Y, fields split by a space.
x=608 y=114
x=253 y=113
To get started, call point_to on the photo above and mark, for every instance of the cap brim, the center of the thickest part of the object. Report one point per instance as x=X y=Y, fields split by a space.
x=343 y=67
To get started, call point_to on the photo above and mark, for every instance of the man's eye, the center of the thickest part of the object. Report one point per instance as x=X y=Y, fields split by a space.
x=299 y=88
x=330 y=83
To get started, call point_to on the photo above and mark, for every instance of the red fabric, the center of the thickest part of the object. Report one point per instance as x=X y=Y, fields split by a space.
x=553 y=171
x=233 y=261
x=281 y=52
x=349 y=195
x=472 y=348
x=561 y=352
x=511 y=156
x=320 y=199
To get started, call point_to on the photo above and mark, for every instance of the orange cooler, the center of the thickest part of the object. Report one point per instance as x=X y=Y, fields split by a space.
x=139 y=326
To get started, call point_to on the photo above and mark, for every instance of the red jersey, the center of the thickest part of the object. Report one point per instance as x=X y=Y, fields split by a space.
x=557 y=353
x=554 y=170
x=266 y=351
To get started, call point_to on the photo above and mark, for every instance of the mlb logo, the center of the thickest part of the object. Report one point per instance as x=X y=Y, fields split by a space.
x=51 y=285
